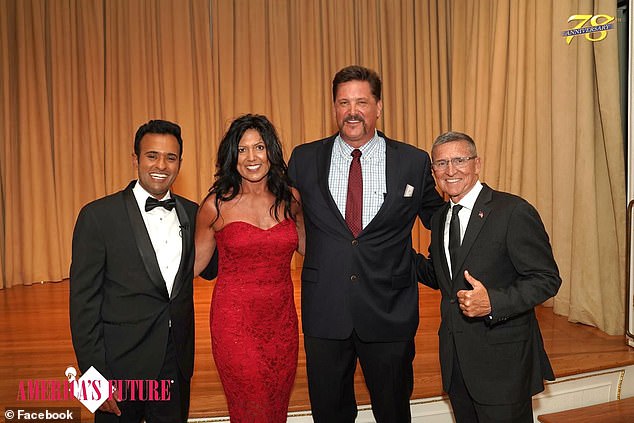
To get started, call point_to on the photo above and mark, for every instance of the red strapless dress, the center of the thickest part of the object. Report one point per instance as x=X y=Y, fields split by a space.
x=253 y=320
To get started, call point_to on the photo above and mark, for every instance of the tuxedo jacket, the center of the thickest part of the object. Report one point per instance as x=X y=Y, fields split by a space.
x=366 y=283
x=120 y=311
x=506 y=247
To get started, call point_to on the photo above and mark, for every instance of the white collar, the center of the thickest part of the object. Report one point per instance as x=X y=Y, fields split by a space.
x=468 y=201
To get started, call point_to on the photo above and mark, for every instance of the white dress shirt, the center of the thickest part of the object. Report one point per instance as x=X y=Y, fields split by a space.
x=372 y=172
x=163 y=227
x=467 y=202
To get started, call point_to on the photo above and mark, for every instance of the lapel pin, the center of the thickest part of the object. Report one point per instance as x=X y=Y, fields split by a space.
x=481 y=214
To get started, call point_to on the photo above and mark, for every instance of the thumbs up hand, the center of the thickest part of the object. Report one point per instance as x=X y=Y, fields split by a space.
x=474 y=302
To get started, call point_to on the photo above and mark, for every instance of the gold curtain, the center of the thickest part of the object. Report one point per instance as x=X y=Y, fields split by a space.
x=283 y=65
x=589 y=233
x=159 y=65
x=545 y=116
x=51 y=120
x=79 y=76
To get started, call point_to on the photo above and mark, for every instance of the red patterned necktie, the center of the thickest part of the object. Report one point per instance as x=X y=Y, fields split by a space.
x=354 y=199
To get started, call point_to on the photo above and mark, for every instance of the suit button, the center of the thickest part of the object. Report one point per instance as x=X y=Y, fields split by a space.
x=354 y=278
x=355 y=242
x=452 y=301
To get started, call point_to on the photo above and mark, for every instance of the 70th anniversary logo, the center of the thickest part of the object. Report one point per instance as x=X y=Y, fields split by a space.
x=593 y=27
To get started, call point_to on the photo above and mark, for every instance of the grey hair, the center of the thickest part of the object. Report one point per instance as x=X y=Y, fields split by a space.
x=452 y=136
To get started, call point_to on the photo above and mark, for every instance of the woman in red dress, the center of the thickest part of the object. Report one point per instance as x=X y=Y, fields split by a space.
x=253 y=216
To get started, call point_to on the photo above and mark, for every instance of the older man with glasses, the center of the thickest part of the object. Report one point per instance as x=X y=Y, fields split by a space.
x=491 y=258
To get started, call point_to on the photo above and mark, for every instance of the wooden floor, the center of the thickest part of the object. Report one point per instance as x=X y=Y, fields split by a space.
x=36 y=345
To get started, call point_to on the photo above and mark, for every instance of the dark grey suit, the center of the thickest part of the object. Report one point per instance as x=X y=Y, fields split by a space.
x=364 y=285
x=506 y=247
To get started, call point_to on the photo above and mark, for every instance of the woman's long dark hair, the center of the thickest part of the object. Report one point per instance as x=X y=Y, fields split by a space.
x=228 y=180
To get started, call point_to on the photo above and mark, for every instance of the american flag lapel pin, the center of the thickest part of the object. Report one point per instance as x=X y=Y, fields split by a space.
x=481 y=214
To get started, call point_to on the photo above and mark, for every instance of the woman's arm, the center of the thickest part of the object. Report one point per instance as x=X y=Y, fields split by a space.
x=204 y=238
x=296 y=210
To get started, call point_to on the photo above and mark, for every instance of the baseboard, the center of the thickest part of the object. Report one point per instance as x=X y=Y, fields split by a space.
x=561 y=394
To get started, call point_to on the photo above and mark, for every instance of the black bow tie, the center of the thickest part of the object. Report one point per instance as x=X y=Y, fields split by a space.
x=152 y=203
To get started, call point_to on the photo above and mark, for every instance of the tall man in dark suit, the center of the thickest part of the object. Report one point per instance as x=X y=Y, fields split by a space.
x=131 y=304
x=361 y=193
x=491 y=258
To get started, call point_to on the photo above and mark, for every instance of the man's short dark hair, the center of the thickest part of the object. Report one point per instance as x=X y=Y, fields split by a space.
x=357 y=73
x=158 y=126
x=452 y=136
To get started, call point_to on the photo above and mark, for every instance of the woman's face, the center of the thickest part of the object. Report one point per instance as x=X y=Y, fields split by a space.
x=253 y=162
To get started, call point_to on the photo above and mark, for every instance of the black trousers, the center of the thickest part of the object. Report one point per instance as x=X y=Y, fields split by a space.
x=173 y=411
x=387 y=368
x=467 y=410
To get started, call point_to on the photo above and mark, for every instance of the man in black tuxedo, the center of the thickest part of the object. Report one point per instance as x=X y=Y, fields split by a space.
x=131 y=303
x=491 y=258
x=361 y=193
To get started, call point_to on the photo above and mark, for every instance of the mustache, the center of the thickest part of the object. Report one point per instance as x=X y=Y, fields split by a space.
x=354 y=117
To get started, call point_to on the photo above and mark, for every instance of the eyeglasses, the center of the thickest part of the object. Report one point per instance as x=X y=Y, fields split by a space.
x=457 y=162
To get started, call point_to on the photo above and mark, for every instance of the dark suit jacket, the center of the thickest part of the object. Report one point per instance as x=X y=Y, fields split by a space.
x=506 y=247
x=120 y=311
x=367 y=283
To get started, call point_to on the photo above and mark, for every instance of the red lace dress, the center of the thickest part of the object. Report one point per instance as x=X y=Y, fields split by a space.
x=253 y=320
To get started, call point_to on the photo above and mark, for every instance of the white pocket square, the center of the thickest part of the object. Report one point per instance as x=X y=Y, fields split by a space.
x=409 y=191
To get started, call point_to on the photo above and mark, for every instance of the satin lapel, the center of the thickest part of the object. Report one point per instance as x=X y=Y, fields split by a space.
x=324 y=155
x=186 y=256
x=392 y=173
x=479 y=215
x=143 y=242
x=438 y=252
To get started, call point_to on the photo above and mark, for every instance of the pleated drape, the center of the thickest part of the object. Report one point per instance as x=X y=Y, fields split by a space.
x=77 y=77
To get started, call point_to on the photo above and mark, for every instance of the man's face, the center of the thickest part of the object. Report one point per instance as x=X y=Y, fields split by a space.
x=455 y=181
x=356 y=112
x=158 y=163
